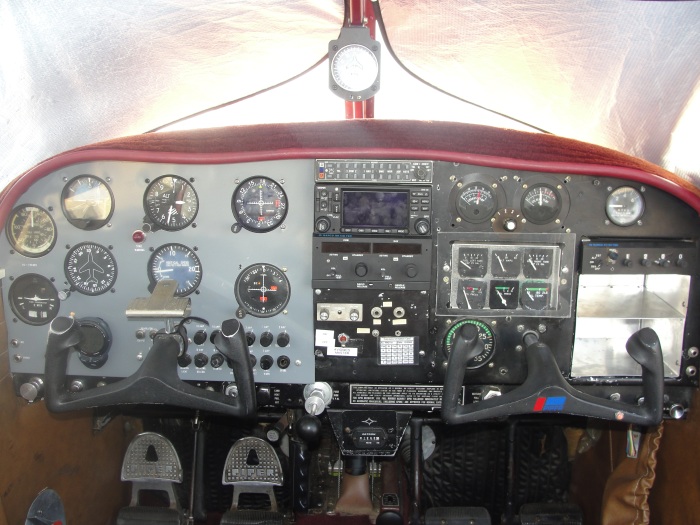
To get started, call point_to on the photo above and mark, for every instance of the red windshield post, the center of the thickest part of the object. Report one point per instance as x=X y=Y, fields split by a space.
x=361 y=13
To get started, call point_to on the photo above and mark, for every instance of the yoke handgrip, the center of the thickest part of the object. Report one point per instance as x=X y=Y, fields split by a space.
x=156 y=382
x=545 y=390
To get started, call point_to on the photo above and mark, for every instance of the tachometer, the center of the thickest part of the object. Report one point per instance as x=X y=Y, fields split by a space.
x=177 y=262
x=87 y=202
x=33 y=299
x=486 y=342
x=262 y=290
x=31 y=230
x=171 y=202
x=259 y=204
x=90 y=268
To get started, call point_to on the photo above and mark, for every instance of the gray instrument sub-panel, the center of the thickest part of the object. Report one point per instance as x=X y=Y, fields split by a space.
x=223 y=255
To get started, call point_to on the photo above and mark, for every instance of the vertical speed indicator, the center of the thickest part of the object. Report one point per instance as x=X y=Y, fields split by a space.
x=259 y=204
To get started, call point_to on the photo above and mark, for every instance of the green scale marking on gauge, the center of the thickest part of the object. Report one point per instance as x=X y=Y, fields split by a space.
x=486 y=342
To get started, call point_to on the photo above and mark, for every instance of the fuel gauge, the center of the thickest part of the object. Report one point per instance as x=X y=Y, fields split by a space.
x=472 y=262
x=471 y=294
x=537 y=263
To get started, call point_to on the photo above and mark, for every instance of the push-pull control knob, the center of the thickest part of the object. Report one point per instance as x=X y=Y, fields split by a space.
x=316 y=397
x=32 y=390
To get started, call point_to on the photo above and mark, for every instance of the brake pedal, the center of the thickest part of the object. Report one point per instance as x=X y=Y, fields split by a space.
x=252 y=466
x=151 y=464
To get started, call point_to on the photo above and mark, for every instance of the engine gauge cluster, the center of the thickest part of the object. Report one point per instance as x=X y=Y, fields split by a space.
x=505 y=274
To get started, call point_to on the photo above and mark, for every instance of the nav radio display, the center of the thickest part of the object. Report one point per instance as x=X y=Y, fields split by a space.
x=368 y=209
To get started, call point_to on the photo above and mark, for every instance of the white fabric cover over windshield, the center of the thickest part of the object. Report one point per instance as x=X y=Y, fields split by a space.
x=618 y=73
x=76 y=72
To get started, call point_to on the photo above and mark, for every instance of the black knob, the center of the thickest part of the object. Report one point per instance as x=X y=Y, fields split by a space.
x=264 y=394
x=646 y=263
x=283 y=339
x=266 y=339
x=95 y=342
x=250 y=338
x=323 y=224
x=200 y=337
x=422 y=226
x=613 y=255
x=411 y=270
x=217 y=360
x=266 y=362
x=420 y=173
x=283 y=362
x=682 y=263
x=184 y=360
x=361 y=269
x=309 y=429
x=253 y=360
x=664 y=263
x=213 y=336
x=201 y=360
x=628 y=263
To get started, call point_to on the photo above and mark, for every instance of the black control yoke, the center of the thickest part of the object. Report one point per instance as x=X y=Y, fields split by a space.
x=156 y=382
x=546 y=391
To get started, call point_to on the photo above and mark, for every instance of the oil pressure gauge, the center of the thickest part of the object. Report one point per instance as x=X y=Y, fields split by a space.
x=625 y=206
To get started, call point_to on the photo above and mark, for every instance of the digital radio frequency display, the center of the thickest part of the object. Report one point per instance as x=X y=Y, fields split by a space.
x=383 y=209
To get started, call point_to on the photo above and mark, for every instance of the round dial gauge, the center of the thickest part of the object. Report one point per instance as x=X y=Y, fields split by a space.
x=33 y=299
x=476 y=202
x=259 y=204
x=354 y=68
x=624 y=206
x=90 y=268
x=262 y=290
x=87 y=202
x=486 y=341
x=535 y=295
x=171 y=202
x=31 y=230
x=541 y=204
x=177 y=262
